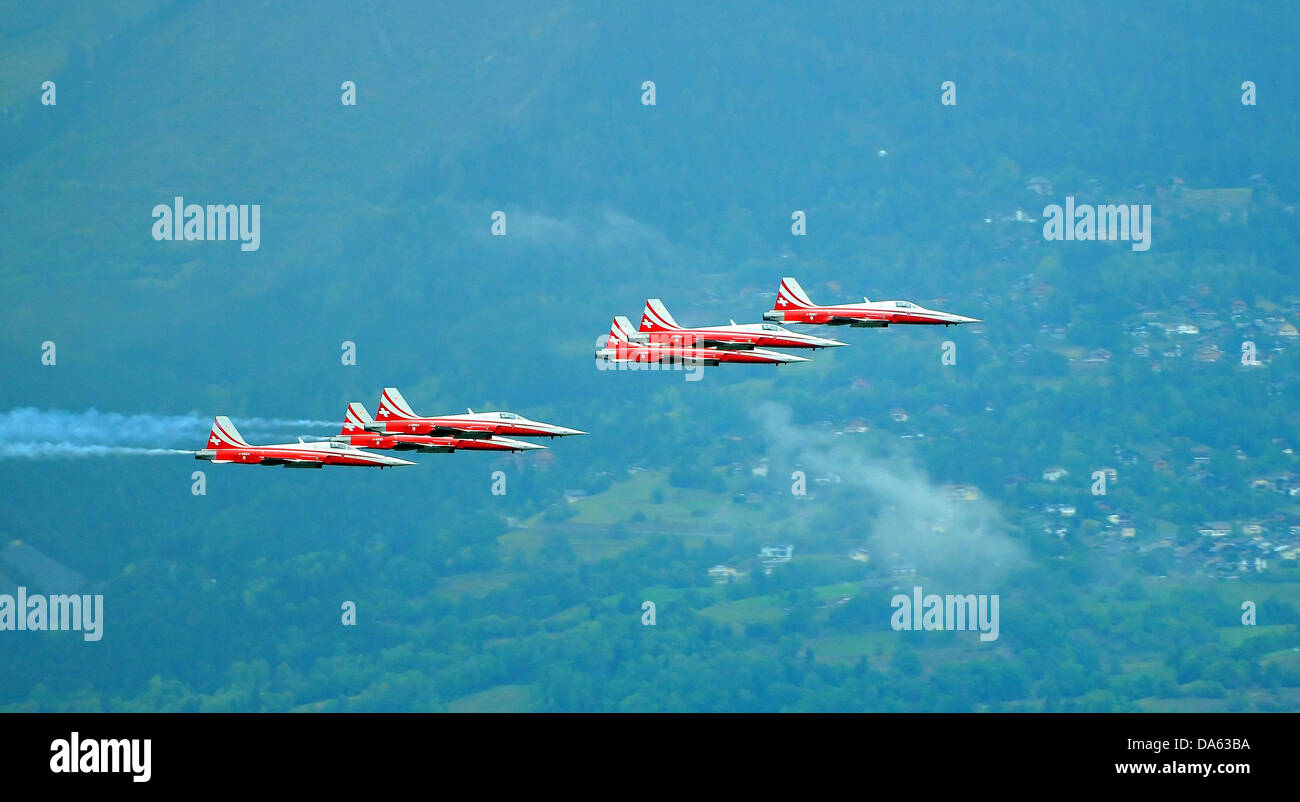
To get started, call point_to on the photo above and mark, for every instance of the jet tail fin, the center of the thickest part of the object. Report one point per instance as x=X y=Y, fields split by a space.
x=225 y=435
x=656 y=317
x=357 y=419
x=791 y=295
x=620 y=331
x=392 y=406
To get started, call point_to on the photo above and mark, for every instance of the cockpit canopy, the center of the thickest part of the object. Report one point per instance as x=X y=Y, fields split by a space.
x=905 y=305
x=771 y=327
x=507 y=416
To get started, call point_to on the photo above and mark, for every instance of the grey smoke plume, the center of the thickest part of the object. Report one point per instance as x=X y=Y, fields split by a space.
x=32 y=433
x=908 y=519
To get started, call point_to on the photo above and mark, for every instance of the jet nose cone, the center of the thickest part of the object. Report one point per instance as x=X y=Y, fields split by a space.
x=564 y=431
x=825 y=343
x=396 y=463
x=793 y=358
x=964 y=319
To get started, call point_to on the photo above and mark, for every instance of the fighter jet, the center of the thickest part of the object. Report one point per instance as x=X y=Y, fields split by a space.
x=659 y=324
x=793 y=306
x=395 y=415
x=226 y=444
x=626 y=345
x=358 y=430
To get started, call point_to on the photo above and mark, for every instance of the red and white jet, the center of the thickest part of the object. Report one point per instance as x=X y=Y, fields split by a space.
x=626 y=345
x=226 y=444
x=793 y=306
x=662 y=328
x=395 y=415
x=359 y=430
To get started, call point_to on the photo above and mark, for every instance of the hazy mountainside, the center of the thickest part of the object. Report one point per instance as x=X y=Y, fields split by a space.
x=379 y=213
x=375 y=229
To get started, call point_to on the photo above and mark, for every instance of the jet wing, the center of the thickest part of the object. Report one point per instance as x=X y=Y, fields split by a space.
x=726 y=345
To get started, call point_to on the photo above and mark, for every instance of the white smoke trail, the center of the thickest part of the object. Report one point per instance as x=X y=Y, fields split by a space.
x=39 y=450
x=915 y=523
x=28 y=432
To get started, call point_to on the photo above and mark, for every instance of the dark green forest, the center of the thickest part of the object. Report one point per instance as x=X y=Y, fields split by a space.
x=883 y=465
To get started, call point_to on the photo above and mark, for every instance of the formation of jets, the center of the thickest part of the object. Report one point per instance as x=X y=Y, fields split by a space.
x=399 y=428
x=660 y=338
